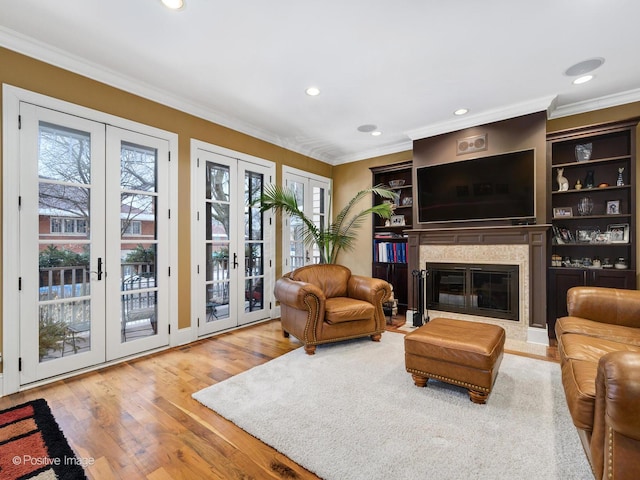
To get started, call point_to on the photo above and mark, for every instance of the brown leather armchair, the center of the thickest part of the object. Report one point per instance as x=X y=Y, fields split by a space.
x=326 y=303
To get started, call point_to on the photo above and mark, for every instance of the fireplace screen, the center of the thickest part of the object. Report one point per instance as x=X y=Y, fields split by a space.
x=474 y=289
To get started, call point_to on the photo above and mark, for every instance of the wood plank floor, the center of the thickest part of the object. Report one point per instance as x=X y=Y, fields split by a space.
x=137 y=420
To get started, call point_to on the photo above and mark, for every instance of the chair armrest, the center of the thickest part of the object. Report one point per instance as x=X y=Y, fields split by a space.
x=615 y=444
x=605 y=305
x=293 y=293
x=368 y=289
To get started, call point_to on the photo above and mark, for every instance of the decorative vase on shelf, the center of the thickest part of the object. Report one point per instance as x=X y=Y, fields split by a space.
x=583 y=152
x=589 y=181
x=585 y=206
x=620 y=181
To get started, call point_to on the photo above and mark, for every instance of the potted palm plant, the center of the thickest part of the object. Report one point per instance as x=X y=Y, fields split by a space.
x=342 y=232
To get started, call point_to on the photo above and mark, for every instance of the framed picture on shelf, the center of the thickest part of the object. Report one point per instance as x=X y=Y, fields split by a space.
x=613 y=207
x=397 y=220
x=602 y=237
x=586 y=234
x=619 y=232
x=559 y=212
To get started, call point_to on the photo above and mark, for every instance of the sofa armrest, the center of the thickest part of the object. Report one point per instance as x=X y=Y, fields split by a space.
x=605 y=305
x=292 y=293
x=615 y=444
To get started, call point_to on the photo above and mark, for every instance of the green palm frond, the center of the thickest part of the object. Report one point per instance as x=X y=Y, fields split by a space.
x=341 y=233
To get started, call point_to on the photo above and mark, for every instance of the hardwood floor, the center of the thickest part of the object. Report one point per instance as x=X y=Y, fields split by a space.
x=137 y=420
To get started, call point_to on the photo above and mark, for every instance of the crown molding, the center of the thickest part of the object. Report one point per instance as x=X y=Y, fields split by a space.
x=402 y=146
x=490 y=116
x=607 y=101
x=43 y=52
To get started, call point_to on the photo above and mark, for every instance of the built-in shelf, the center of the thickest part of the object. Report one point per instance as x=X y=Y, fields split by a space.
x=613 y=148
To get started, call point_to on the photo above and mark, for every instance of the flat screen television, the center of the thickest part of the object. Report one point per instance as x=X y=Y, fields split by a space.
x=487 y=188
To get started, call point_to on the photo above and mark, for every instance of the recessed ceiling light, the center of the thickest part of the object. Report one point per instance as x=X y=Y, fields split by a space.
x=312 y=91
x=461 y=111
x=173 y=4
x=376 y=133
x=583 y=79
x=366 y=128
x=583 y=67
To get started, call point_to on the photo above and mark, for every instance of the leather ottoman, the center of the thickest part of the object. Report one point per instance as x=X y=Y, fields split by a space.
x=459 y=352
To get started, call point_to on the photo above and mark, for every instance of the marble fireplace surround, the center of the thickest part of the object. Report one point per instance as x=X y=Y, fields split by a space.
x=522 y=245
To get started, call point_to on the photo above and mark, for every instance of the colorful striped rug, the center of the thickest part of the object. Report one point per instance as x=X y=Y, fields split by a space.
x=32 y=445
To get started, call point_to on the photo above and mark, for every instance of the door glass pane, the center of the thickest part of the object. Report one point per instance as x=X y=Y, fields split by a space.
x=253 y=242
x=64 y=154
x=297 y=252
x=64 y=329
x=64 y=304
x=138 y=167
x=138 y=241
x=217 y=239
x=319 y=216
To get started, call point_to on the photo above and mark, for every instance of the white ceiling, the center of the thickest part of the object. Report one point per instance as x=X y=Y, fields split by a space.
x=403 y=65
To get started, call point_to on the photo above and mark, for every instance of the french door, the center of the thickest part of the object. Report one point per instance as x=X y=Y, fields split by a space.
x=312 y=196
x=233 y=250
x=93 y=241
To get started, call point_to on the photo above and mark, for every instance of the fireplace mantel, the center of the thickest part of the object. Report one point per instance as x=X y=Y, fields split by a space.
x=534 y=236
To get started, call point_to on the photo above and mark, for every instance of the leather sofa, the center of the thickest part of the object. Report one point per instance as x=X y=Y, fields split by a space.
x=326 y=303
x=599 y=347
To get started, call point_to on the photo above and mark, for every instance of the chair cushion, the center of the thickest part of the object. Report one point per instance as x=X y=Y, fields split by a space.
x=344 y=309
x=578 y=380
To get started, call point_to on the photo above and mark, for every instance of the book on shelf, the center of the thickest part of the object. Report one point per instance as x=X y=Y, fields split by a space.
x=390 y=252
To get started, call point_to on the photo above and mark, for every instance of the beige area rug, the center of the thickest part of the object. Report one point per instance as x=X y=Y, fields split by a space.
x=351 y=412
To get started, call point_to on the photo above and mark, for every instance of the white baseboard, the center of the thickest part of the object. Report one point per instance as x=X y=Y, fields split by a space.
x=537 y=335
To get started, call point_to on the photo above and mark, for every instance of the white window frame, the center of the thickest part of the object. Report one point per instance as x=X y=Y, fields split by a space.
x=287 y=173
x=128 y=231
x=63 y=221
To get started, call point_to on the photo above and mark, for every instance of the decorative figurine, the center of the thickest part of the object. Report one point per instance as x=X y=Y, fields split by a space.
x=563 y=183
x=578 y=185
x=589 y=181
x=620 y=181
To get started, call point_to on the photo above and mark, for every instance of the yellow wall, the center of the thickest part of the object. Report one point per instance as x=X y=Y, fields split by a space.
x=27 y=73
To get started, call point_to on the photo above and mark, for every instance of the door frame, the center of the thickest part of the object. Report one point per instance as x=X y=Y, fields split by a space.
x=196 y=241
x=11 y=98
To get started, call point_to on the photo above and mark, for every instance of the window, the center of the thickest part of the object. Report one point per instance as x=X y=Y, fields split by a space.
x=132 y=227
x=68 y=226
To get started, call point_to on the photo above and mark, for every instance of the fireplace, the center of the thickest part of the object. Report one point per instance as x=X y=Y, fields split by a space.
x=486 y=290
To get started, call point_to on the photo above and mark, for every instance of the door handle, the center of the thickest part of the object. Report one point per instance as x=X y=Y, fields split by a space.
x=99 y=273
x=307 y=256
x=235 y=261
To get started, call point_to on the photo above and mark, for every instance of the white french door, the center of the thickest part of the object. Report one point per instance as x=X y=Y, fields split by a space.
x=312 y=195
x=233 y=249
x=92 y=243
